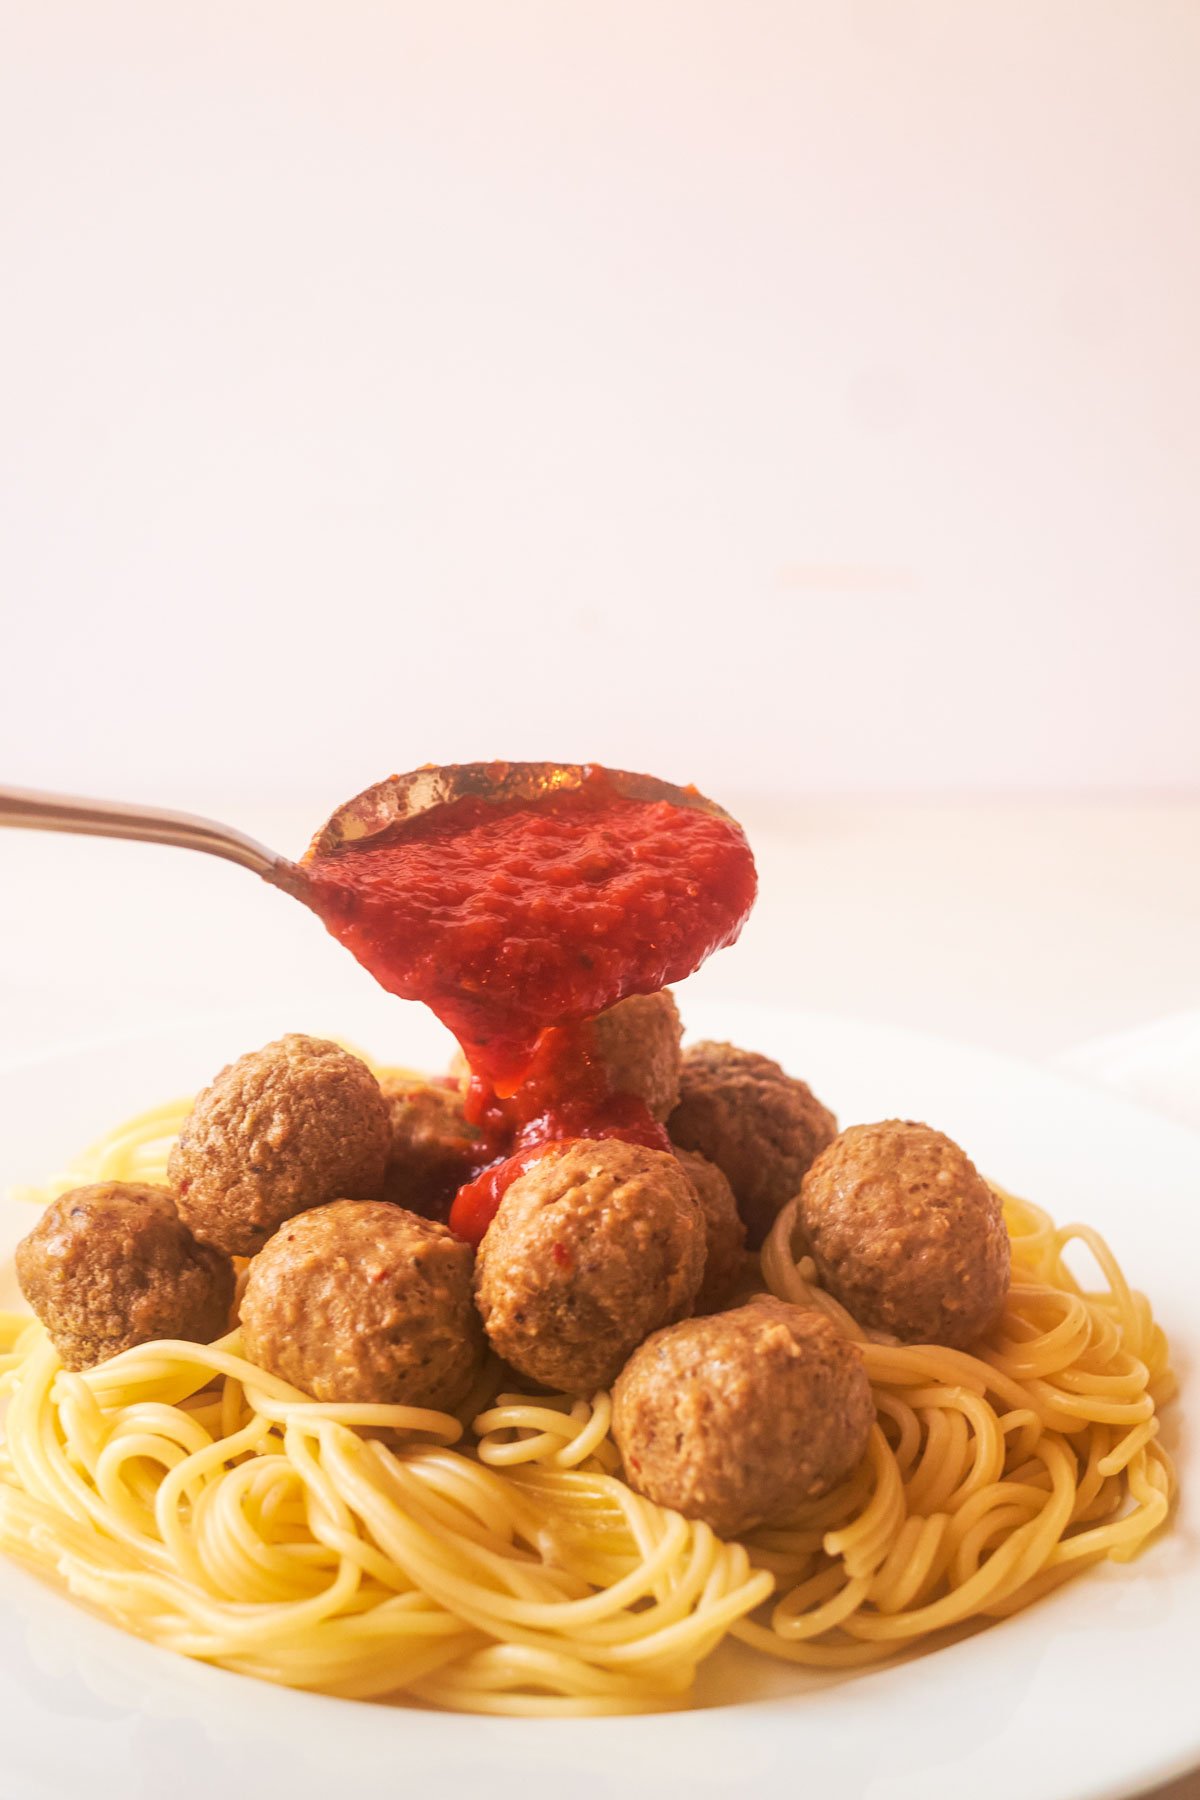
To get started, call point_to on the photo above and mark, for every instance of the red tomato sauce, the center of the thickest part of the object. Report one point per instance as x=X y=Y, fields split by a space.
x=516 y=922
x=565 y=1094
x=622 y=1116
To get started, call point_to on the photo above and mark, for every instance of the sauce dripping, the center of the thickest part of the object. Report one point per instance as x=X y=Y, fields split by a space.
x=516 y=921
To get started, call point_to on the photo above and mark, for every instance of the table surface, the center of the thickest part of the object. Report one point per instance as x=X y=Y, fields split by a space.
x=1025 y=926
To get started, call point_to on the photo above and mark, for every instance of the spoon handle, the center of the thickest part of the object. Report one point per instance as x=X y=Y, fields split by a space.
x=33 y=811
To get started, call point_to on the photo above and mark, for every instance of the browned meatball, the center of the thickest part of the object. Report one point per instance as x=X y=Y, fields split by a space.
x=725 y=1235
x=110 y=1266
x=638 y=1043
x=738 y=1418
x=759 y=1125
x=362 y=1301
x=598 y=1243
x=283 y=1129
x=906 y=1233
x=434 y=1149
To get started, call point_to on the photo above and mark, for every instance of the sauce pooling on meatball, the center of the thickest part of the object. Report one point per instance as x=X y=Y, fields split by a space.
x=568 y=1092
x=516 y=922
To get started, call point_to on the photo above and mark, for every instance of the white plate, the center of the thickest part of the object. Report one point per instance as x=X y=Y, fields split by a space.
x=1090 y=1693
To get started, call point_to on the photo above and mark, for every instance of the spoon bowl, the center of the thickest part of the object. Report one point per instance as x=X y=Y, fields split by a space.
x=401 y=798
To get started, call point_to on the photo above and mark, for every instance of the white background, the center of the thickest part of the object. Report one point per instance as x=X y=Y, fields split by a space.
x=803 y=399
x=798 y=398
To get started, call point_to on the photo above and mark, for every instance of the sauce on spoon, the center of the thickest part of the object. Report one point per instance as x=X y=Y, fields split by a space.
x=517 y=920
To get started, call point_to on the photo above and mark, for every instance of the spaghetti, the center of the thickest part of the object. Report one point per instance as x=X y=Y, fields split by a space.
x=496 y=1562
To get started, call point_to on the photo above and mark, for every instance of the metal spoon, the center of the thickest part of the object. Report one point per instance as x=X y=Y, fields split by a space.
x=388 y=804
x=403 y=797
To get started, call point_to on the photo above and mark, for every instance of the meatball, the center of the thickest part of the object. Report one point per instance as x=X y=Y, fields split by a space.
x=725 y=1235
x=638 y=1042
x=598 y=1243
x=280 y=1130
x=761 y=1127
x=737 y=1418
x=906 y=1233
x=110 y=1266
x=362 y=1301
x=434 y=1149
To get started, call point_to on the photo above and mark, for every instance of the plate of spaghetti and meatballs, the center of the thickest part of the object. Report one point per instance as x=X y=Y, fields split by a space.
x=582 y=1358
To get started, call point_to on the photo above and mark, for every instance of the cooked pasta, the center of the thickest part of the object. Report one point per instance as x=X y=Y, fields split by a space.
x=234 y=1520
x=496 y=1562
x=991 y=1477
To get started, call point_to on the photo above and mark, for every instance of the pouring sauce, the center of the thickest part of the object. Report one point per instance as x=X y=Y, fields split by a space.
x=516 y=921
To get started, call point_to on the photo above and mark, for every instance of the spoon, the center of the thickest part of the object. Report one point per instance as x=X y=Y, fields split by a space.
x=377 y=809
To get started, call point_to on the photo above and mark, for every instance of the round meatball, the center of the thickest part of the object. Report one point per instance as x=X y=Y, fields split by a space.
x=281 y=1130
x=598 y=1243
x=760 y=1126
x=434 y=1148
x=638 y=1042
x=113 y=1265
x=725 y=1235
x=361 y=1301
x=906 y=1233
x=737 y=1418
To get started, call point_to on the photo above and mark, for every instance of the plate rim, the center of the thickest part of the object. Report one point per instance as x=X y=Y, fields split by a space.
x=1175 y=1759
